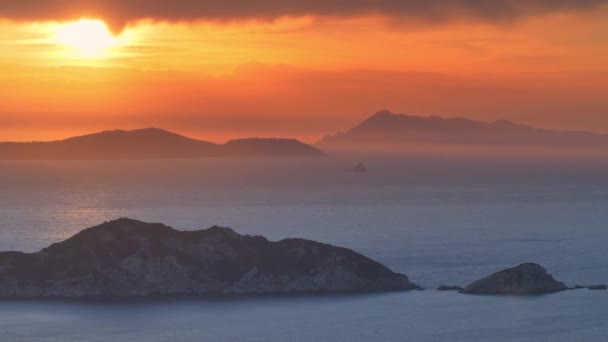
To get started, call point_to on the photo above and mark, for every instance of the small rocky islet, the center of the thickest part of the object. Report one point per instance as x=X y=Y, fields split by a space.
x=130 y=258
x=525 y=279
x=522 y=280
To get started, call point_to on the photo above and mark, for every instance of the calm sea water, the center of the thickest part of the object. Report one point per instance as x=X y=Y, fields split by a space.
x=440 y=220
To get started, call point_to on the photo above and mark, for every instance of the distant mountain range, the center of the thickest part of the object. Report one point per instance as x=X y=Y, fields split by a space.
x=152 y=143
x=383 y=129
x=386 y=128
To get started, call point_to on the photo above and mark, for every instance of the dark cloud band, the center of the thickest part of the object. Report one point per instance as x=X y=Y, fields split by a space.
x=120 y=12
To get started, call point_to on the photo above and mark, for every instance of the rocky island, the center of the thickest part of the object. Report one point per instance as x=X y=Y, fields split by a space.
x=525 y=279
x=152 y=143
x=386 y=129
x=129 y=258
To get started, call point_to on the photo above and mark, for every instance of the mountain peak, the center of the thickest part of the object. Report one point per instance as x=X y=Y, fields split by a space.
x=152 y=130
x=383 y=113
x=388 y=129
x=140 y=132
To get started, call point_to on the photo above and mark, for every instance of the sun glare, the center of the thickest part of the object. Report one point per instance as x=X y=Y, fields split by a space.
x=87 y=38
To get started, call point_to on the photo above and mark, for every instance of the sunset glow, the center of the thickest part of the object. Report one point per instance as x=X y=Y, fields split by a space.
x=87 y=38
x=305 y=73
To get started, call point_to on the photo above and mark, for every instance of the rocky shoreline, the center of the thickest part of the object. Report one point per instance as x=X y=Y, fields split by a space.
x=128 y=258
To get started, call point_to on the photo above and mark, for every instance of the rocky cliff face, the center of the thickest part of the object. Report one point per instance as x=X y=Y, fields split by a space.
x=131 y=258
x=525 y=279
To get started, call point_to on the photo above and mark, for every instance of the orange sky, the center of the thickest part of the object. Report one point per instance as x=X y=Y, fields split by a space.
x=303 y=75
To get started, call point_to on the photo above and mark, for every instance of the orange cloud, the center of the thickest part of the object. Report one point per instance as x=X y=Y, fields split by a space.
x=120 y=12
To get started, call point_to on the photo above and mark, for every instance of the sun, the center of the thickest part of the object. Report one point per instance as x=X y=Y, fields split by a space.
x=87 y=38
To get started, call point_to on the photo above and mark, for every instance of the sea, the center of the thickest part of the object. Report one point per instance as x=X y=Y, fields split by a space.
x=439 y=219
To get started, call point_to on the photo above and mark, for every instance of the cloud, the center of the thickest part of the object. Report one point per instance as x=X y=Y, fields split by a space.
x=121 y=12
